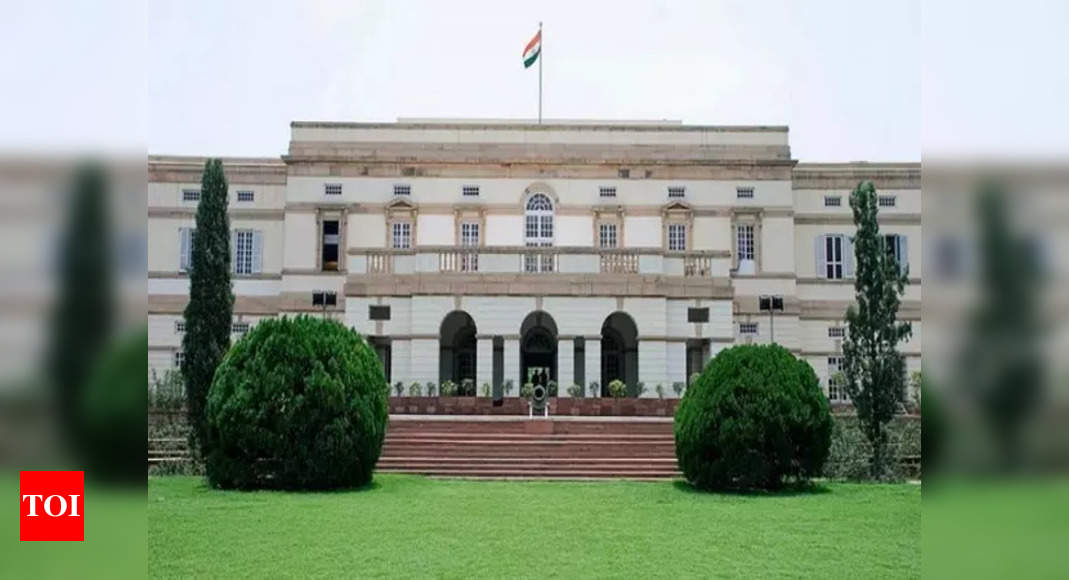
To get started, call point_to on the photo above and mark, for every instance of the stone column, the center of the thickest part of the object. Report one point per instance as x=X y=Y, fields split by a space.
x=424 y=361
x=565 y=365
x=651 y=365
x=484 y=363
x=676 y=368
x=512 y=365
x=593 y=363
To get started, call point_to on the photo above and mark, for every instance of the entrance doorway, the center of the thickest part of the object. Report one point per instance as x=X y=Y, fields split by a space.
x=538 y=348
x=619 y=351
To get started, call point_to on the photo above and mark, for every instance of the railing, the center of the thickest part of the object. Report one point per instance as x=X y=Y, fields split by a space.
x=619 y=263
x=700 y=266
x=458 y=261
x=540 y=260
x=379 y=263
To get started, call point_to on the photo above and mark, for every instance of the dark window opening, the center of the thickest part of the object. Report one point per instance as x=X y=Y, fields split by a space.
x=330 y=246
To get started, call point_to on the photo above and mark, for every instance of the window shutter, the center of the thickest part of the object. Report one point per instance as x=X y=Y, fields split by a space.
x=257 y=251
x=822 y=267
x=185 y=249
x=848 y=256
x=903 y=251
x=233 y=251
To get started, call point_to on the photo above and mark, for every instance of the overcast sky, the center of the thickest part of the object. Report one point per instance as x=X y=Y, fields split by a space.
x=228 y=80
x=854 y=80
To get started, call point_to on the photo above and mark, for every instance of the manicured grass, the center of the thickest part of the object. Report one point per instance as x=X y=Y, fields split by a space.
x=412 y=527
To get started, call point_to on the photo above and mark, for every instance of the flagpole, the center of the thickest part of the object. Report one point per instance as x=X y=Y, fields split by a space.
x=541 y=57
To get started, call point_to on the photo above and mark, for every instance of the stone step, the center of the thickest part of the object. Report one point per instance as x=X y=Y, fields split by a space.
x=538 y=473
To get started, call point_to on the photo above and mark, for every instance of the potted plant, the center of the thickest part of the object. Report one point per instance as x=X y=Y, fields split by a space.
x=551 y=388
x=486 y=389
x=638 y=390
x=399 y=388
x=414 y=389
x=660 y=391
x=449 y=389
x=595 y=389
x=617 y=389
x=507 y=387
x=430 y=388
x=467 y=388
x=678 y=387
x=575 y=391
x=527 y=391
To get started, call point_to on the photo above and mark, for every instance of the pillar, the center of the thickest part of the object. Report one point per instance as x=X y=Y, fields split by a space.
x=424 y=361
x=484 y=363
x=676 y=367
x=565 y=365
x=512 y=365
x=593 y=364
x=652 y=356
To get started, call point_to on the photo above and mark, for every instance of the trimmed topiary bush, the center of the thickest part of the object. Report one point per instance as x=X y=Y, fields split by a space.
x=755 y=418
x=298 y=403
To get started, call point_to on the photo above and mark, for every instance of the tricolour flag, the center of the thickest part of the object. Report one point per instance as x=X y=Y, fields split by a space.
x=534 y=48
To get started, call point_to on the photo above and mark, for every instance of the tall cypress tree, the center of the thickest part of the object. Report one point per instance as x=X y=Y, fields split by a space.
x=211 y=302
x=82 y=319
x=874 y=369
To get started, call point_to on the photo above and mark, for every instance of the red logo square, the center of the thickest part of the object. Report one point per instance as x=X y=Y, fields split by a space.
x=51 y=506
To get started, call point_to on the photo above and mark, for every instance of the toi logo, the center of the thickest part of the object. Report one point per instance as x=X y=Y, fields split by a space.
x=51 y=506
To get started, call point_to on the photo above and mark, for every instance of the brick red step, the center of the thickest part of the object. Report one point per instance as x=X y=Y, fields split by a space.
x=536 y=473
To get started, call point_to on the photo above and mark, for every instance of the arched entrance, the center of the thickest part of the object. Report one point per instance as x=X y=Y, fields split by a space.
x=538 y=348
x=619 y=351
x=456 y=348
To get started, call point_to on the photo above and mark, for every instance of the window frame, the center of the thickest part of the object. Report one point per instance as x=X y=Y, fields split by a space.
x=677 y=191
x=469 y=191
x=836 y=332
x=333 y=189
x=746 y=326
x=190 y=195
x=180 y=326
x=681 y=235
x=838 y=199
x=608 y=232
x=830 y=262
x=607 y=191
x=886 y=201
x=244 y=265
x=250 y=197
x=836 y=391
x=751 y=239
x=401 y=231
x=744 y=192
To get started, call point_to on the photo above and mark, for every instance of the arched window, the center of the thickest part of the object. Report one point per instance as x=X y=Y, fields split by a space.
x=538 y=232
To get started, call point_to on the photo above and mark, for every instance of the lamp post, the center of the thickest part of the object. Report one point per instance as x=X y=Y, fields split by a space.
x=771 y=304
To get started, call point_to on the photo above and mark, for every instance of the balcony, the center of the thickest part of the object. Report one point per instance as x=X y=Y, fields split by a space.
x=540 y=260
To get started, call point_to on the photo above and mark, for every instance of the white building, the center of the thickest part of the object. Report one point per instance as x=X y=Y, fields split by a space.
x=491 y=249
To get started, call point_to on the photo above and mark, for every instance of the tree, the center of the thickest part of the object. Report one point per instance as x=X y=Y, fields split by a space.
x=211 y=303
x=83 y=316
x=1001 y=362
x=875 y=371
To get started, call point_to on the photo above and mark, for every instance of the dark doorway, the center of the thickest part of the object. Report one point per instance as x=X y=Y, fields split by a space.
x=456 y=348
x=381 y=344
x=538 y=348
x=619 y=351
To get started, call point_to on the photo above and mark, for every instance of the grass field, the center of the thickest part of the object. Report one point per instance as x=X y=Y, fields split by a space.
x=412 y=527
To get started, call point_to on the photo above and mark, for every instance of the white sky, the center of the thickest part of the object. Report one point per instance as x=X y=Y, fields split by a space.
x=877 y=81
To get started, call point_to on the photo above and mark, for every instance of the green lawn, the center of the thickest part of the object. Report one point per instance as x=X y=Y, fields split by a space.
x=412 y=527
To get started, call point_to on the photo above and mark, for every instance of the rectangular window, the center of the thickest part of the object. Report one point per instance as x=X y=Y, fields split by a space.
x=239 y=327
x=744 y=192
x=836 y=332
x=836 y=392
x=545 y=229
x=190 y=195
x=470 y=190
x=747 y=328
x=833 y=257
x=402 y=235
x=331 y=240
x=677 y=191
x=332 y=189
x=469 y=238
x=677 y=237
x=623 y=173
x=745 y=241
x=531 y=226
x=179 y=326
x=243 y=251
x=402 y=189
x=698 y=314
x=378 y=312
x=185 y=248
x=895 y=246
x=833 y=201
x=246 y=195
x=606 y=235
x=607 y=191
x=886 y=200
x=179 y=357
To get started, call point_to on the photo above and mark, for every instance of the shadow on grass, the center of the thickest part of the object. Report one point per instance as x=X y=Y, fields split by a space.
x=790 y=490
x=371 y=486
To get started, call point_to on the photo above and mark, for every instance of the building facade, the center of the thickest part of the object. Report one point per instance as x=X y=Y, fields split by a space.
x=492 y=250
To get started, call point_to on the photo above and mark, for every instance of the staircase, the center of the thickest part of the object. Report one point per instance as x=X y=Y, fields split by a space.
x=502 y=447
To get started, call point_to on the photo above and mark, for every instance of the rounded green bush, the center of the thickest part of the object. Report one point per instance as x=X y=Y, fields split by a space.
x=754 y=418
x=297 y=403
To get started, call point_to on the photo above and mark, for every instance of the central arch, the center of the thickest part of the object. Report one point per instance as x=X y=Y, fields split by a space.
x=456 y=348
x=538 y=347
x=619 y=351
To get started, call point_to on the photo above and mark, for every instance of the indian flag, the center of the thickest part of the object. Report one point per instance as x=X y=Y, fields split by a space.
x=534 y=48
